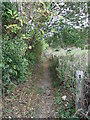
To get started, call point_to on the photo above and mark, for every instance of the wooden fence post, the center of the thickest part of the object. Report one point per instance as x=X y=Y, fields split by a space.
x=79 y=89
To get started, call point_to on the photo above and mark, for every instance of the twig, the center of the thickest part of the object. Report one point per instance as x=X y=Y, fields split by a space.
x=80 y=112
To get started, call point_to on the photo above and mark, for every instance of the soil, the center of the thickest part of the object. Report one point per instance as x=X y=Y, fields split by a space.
x=34 y=98
x=46 y=106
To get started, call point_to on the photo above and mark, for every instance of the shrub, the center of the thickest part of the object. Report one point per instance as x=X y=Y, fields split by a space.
x=38 y=49
x=14 y=64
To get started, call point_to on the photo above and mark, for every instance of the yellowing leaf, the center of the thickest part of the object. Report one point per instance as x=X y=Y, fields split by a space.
x=62 y=17
x=21 y=22
x=41 y=1
x=42 y=31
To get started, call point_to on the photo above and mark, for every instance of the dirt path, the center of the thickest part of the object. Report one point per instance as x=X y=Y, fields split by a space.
x=34 y=98
x=46 y=108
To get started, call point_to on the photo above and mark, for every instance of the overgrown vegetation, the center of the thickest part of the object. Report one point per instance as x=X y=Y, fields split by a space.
x=28 y=31
x=63 y=69
x=21 y=47
x=14 y=63
x=65 y=85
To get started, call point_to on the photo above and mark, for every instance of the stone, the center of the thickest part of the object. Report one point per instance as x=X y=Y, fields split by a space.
x=64 y=97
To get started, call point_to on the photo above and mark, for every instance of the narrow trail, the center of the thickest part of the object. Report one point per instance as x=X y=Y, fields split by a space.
x=46 y=108
x=34 y=98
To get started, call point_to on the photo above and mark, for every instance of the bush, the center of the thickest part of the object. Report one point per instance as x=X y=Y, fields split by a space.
x=38 y=48
x=14 y=64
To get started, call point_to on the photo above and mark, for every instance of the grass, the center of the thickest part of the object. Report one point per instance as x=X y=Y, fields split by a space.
x=64 y=108
x=75 y=57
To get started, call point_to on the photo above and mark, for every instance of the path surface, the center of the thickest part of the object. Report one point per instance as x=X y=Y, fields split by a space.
x=46 y=108
x=34 y=98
